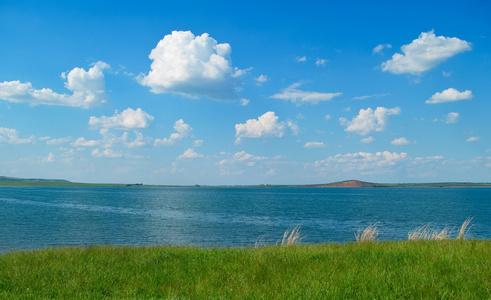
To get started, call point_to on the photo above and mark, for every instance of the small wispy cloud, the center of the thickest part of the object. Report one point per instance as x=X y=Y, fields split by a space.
x=301 y=59
x=321 y=62
x=378 y=49
x=370 y=96
x=314 y=145
x=261 y=79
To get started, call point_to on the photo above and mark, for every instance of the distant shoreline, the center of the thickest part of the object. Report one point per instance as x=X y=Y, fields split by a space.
x=37 y=182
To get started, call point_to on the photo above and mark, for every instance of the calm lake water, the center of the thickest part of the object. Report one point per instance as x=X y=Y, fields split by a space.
x=36 y=217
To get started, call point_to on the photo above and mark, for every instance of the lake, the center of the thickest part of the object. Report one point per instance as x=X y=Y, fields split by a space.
x=37 y=217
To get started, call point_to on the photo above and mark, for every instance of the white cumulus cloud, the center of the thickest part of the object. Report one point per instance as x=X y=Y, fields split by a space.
x=58 y=141
x=449 y=95
x=243 y=157
x=183 y=130
x=82 y=142
x=105 y=153
x=294 y=95
x=88 y=89
x=424 y=53
x=266 y=125
x=197 y=143
x=369 y=120
x=367 y=140
x=190 y=153
x=361 y=161
x=12 y=136
x=49 y=159
x=452 y=117
x=400 y=141
x=139 y=141
x=244 y=101
x=473 y=139
x=262 y=78
x=193 y=66
x=127 y=119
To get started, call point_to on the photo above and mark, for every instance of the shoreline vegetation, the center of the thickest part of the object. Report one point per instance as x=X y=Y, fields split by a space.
x=426 y=266
x=34 y=182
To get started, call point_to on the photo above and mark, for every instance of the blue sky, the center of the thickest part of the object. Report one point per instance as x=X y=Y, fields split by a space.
x=245 y=93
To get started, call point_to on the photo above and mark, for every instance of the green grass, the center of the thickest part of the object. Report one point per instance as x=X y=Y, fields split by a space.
x=448 y=269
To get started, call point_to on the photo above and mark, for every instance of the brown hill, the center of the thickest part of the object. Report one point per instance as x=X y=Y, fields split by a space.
x=347 y=183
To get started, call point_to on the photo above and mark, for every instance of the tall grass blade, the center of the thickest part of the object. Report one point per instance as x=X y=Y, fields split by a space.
x=291 y=236
x=428 y=232
x=369 y=234
x=464 y=229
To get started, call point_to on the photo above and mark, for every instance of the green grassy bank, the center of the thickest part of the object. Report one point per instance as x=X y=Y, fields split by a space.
x=448 y=269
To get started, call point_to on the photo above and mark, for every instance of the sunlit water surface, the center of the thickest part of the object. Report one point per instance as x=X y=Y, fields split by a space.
x=37 y=217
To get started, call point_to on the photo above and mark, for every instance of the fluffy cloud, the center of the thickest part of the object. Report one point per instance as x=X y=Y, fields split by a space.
x=400 y=141
x=183 y=130
x=244 y=101
x=294 y=95
x=314 y=145
x=368 y=140
x=110 y=140
x=361 y=161
x=266 y=125
x=197 y=143
x=190 y=154
x=49 y=159
x=452 y=117
x=301 y=59
x=57 y=141
x=193 y=66
x=243 y=157
x=12 y=136
x=449 y=95
x=473 y=139
x=82 y=142
x=87 y=87
x=262 y=78
x=139 y=141
x=424 y=53
x=128 y=119
x=368 y=120
x=106 y=153
x=380 y=47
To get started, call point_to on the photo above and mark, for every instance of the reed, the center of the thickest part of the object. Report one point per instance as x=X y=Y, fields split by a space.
x=464 y=229
x=428 y=232
x=260 y=242
x=291 y=236
x=369 y=234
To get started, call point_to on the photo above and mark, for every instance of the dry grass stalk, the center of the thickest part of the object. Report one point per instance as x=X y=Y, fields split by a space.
x=426 y=232
x=292 y=236
x=369 y=234
x=260 y=242
x=464 y=229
